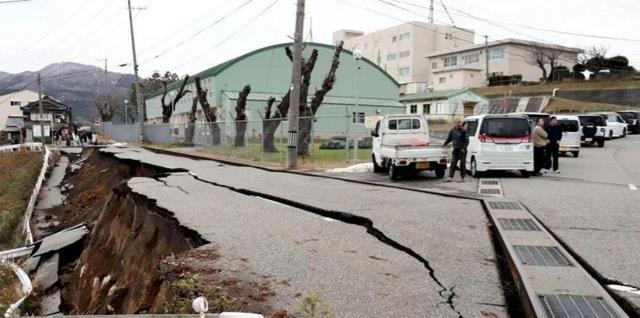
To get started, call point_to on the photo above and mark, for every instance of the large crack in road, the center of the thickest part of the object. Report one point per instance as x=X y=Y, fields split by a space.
x=447 y=293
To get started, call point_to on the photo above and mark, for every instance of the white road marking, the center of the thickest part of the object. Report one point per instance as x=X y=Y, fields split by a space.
x=632 y=186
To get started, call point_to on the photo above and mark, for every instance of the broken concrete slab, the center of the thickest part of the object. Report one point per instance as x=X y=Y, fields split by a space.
x=59 y=240
x=50 y=304
x=47 y=273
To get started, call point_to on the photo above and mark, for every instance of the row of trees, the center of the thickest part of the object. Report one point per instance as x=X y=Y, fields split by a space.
x=593 y=59
x=274 y=113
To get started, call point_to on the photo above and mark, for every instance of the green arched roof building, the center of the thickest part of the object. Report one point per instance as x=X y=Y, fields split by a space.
x=268 y=71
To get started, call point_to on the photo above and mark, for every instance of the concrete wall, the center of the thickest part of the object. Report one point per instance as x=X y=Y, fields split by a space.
x=424 y=38
x=457 y=79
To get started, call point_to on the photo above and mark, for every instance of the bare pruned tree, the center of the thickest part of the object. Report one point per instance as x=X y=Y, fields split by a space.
x=167 y=109
x=271 y=120
x=107 y=107
x=190 y=131
x=241 y=116
x=541 y=56
x=210 y=113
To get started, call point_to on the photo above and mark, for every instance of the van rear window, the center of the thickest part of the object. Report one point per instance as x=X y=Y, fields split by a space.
x=569 y=125
x=629 y=115
x=505 y=127
x=592 y=120
x=404 y=124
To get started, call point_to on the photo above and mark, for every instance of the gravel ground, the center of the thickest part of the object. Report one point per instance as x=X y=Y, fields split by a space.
x=451 y=234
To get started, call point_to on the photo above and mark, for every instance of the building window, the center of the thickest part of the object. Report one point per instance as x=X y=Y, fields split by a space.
x=450 y=61
x=442 y=80
x=496 y=54
x=404 y=71
x=405 y=36
x=15 y=103
x=448 y=36
x=426 y=108
x=413 y=109
x=405 y=53
x=493 y=74
x=394 y=39
x=378 y=59
x=391 y=56
x=434 y=65
x=439 y=108
x=471 y=58
x=357 y=118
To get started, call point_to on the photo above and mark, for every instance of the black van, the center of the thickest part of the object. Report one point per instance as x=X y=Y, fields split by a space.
x=632 y=117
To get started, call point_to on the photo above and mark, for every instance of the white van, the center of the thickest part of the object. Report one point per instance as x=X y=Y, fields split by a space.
x=499 y=142
x=616 y=125
x=571 y=134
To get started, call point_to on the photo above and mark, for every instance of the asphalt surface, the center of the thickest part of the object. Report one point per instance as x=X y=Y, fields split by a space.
x=590 y=205
x=450 y=235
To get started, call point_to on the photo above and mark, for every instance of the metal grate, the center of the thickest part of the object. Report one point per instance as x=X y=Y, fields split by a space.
x=579 y=306
x=489 y=182
x=490 y=191
x=505 y=205
x=518 y=225
x=541 y=255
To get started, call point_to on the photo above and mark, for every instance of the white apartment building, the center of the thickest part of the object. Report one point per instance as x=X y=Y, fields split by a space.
x=10 y=112
x=400 y=50
x=465 y=67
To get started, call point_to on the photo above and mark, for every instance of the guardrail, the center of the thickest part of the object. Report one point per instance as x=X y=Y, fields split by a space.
x=27 y=288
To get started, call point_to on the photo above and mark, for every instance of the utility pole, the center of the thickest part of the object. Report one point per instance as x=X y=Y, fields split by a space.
x=431 y=12
x=486 y=57
x=41 y=110
x=137 y=85
x=296 y=77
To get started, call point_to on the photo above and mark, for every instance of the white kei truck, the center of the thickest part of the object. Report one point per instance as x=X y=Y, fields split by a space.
x=401 y=145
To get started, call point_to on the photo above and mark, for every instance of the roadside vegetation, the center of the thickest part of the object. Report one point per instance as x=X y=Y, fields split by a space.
x=562 y=105
x=18 y=174
x=565 y=85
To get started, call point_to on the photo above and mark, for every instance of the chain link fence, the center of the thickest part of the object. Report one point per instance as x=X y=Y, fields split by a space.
x=323 y=142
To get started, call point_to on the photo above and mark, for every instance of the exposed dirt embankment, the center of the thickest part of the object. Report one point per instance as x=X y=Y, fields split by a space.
x=118 y=269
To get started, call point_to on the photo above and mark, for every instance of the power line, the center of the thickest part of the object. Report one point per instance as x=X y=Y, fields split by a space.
x=197 y=32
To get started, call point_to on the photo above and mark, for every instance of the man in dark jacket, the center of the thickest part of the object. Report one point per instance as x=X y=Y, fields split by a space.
x=459 y=139
x=554 y=132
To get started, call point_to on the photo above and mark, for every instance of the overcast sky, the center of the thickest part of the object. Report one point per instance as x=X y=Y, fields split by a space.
x=192 y=35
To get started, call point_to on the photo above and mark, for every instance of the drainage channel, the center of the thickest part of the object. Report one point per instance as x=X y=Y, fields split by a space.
x=550 y=281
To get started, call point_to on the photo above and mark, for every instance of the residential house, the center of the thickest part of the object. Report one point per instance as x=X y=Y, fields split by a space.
x=400 y=49
x=55 y=116
x=466 y=66
x=445 y=105
x=11 y=114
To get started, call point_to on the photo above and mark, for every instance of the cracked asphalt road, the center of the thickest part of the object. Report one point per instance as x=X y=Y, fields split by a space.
x=451 y=234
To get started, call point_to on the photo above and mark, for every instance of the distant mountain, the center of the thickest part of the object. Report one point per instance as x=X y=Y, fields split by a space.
x=74 y=84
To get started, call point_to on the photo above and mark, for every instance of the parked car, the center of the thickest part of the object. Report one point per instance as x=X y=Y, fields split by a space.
x=401 y=145
x=632 y=117
x=594 y=128
x=571 y=134
x=338 y=142
x=499 y=142
x=616 y=126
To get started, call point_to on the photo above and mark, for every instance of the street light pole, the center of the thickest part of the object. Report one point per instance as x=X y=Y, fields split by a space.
x=294 y=100
x=137 y=85
x=40 y=109
x=126 y=108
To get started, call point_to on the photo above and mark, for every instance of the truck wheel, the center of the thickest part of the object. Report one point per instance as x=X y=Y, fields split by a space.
x=601 y=143
x=525 y=173
x=393 y=172
x=376 y=167
x=575 y=154
x=440 y=171
x=624 y=133
x=474 y=169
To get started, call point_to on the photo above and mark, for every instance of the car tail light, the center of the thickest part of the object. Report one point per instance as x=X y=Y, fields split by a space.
x=525 y=139
x=485 y=138
x=443 y=161
x=403 y=162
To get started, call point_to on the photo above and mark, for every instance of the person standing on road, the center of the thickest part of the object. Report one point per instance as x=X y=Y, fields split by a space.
x=539 y=144
x=459 y=139
x=554 y=133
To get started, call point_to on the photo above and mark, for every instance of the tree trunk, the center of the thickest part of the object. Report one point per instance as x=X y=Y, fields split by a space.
x=209 y=113
x=191 y=126
x=271 y=123
x=241 y=117
x=305 y=124
x=167 y=110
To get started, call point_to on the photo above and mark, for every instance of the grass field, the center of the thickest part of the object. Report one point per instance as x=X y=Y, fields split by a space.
x=18 y=174
x=562 y=105
x=566 y=85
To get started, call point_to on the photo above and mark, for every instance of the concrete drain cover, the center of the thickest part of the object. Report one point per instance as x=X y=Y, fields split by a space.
x=578 y=306
x=518 y=225
x=490 y=191
x=541 y=255
x=505 y=205
x=489 y=182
